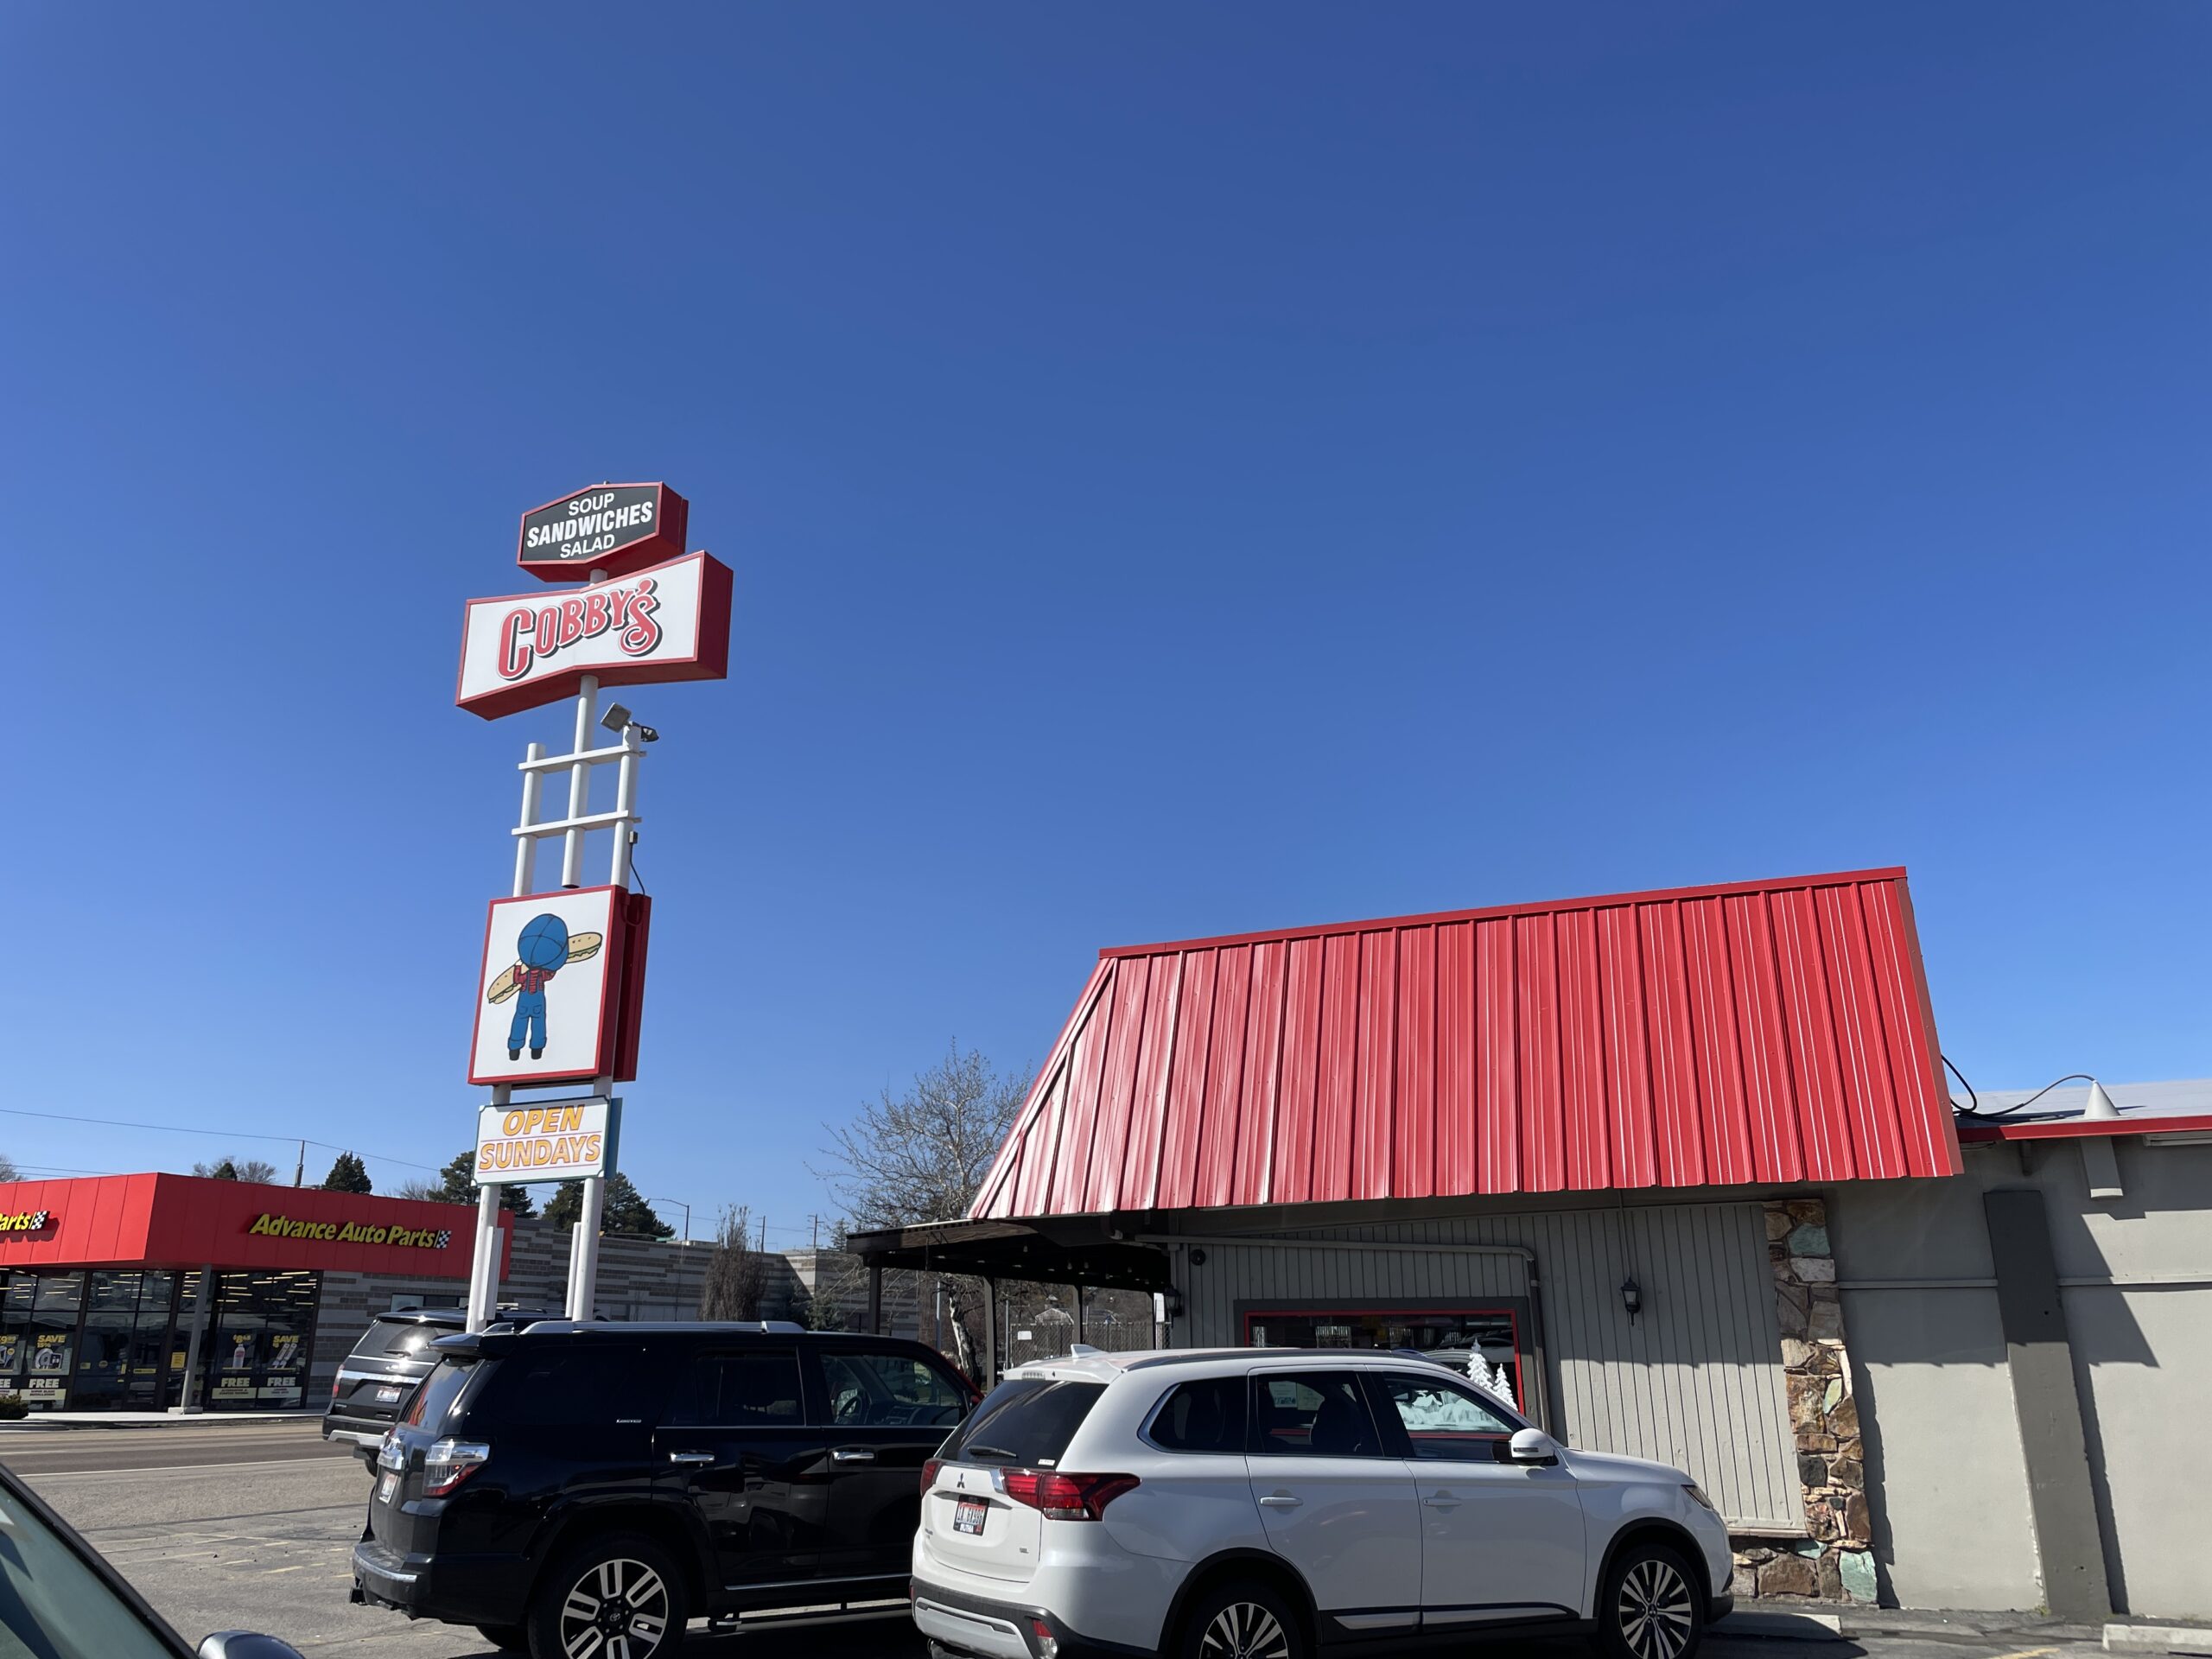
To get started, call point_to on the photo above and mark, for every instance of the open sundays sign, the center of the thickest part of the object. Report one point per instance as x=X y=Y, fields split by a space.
x=667 y=622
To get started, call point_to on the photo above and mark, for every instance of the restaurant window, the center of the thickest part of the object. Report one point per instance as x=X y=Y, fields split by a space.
x=1484 y=1344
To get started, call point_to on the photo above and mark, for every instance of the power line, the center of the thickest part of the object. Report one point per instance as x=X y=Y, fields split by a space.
x=220 y=1134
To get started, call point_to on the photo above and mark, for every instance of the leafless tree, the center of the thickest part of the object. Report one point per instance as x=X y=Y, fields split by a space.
x=737 y=1275
x=239 y=1169
x=920 y=1155
x=433 y=1192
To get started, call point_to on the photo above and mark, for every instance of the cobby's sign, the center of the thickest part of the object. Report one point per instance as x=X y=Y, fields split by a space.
x=669 y=622
x=616 y=528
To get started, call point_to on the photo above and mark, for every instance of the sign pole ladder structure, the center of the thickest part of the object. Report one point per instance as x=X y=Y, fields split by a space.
x=583 y=1243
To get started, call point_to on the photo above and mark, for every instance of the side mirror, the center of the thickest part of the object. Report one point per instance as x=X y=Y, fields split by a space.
x=245 y=1644
x=1533 y=1445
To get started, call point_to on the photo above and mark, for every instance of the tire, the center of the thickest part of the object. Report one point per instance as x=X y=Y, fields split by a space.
x=513 y=1638
x=623 y=1584
x=1649 y=1606
x=1243 y=1619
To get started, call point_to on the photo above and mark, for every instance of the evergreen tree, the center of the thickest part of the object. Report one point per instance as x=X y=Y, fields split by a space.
x=624 y=1211
x=347 y=1174
x=457 y=1185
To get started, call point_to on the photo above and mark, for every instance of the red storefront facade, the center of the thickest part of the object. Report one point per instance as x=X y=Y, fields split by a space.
x=120 y=1293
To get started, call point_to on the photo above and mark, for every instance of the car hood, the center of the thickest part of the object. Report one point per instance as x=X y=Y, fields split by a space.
x=1606 y=1465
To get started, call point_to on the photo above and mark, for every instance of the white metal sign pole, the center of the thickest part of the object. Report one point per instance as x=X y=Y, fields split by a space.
x=484 y=1267
x=583 y=1249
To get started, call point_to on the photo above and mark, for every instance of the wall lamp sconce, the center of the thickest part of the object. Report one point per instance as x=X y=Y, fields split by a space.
x=1631 y=1297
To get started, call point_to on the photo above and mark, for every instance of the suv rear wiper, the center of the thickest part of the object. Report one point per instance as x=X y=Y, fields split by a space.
x=990 y=1451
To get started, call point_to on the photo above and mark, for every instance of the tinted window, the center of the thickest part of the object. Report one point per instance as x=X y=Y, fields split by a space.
x=1444 y=1420
x=736 y=1391
x=889 y=1390
x=440 y=1398
x=1029 y=1420
x=401 y=1339
x=1313 y=1414
x=581 y=1386
x=1203 y=1416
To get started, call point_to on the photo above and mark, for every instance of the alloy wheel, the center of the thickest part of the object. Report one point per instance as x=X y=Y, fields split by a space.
x=1244 y=1630
x=618 y=1610
x=1655 y=1612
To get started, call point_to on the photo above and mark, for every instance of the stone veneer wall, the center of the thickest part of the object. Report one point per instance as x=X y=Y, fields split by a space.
x=1836 y=1562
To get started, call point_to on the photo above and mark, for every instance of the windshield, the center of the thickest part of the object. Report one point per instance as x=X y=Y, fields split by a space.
x=55 y=1606
x=1029 y=1421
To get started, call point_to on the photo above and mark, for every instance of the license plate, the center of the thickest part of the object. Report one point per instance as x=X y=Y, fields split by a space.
x=967 y=1515
x=387 y=1396
x=387 y=1486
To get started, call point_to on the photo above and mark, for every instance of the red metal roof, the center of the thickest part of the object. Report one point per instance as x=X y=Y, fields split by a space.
x=1760 y=1032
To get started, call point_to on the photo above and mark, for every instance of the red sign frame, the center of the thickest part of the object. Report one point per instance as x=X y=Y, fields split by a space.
x=621 y=997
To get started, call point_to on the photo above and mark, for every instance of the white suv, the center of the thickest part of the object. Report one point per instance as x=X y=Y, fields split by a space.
x=1258 y=1503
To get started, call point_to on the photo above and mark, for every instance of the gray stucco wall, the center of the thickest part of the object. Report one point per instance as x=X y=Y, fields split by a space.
x=1952 y=1524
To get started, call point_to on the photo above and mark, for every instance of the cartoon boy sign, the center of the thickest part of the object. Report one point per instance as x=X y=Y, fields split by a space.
x=543 y=947
x=547 y=993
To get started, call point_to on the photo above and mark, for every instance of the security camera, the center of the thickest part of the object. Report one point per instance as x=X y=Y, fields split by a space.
x=615 y=718
x=648 y=734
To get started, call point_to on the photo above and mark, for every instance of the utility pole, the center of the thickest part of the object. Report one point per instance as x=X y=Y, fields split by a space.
x=300 y=1169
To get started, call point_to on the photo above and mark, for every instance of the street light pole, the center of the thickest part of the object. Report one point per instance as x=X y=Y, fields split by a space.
x=680 y=1204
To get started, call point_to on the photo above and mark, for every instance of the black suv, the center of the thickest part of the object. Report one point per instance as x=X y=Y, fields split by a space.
x=372 y=1385
x=582 y=1488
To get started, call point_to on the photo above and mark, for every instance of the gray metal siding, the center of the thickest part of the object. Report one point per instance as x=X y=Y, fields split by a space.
x=1696 y=1381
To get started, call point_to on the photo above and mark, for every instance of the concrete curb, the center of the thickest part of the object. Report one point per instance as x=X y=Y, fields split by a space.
x=57 y=1422
x=2158 y=1638
x=1763 y=1626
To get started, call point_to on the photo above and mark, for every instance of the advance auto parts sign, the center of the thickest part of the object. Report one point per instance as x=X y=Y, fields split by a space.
x=669 y=622
x=351 y=1232
x=616 y=528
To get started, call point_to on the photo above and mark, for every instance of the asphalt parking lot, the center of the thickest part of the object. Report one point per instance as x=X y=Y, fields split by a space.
x=252 y=1526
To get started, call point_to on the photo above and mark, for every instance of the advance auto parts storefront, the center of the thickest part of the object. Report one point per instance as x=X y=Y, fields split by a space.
x=106 y=1283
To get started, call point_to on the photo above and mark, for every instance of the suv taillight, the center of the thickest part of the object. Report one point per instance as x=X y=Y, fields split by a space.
x=447 y=1463
x=1066 y=1497
x=929 y=1474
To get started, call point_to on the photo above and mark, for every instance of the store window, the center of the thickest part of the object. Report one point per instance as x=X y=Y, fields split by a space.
x=1484 y=1344
x=259 y=1331
x=51 y=1344
x=122 y=1353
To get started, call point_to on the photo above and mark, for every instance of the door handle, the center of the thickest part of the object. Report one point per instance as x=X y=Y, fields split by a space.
x=1443 y=1501
x=852 y=1454
x=690 y=1457
x=1280 y=1501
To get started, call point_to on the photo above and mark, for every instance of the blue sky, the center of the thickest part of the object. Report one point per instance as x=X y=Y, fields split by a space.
x=1187 y=469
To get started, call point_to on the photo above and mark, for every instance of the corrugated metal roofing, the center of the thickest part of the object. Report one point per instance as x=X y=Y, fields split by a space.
x=1761 y=1032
